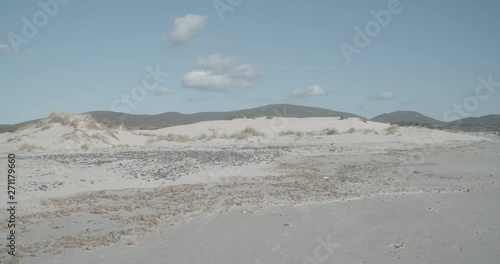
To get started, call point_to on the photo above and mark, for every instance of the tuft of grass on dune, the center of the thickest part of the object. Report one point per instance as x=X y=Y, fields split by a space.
x=171 y=138
x=291 y=133
x=392 y=130
x=246 y=133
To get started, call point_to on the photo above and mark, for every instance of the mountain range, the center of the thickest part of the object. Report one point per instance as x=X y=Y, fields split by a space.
x=403 y=118
x=412 y=118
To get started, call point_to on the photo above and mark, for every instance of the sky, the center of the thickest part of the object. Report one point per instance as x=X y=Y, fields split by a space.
x=440 y=58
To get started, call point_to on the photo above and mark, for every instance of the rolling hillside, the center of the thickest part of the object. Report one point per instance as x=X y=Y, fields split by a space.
x=407 y=118
x=469 y=124
x=168 y=119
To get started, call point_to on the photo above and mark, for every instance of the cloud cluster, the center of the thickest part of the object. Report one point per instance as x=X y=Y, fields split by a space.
x=4 y=49
x=313 y=90
x=381 y=96
x=185 y=29
x=163 y=91
x=26 y=56
x=215 y=73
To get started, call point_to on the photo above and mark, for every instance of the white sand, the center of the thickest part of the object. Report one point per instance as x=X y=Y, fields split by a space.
x=272 y=127
x=85 y=132
x=414 y=196
x=52 y=140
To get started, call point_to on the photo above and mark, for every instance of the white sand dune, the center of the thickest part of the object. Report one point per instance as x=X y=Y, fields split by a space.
x=69 y=132
x=272 y=127
x=63 y=131
x=378 y=193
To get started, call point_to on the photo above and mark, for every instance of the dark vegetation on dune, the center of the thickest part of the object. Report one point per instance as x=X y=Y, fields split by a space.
x=489 y=123
x=168 y=119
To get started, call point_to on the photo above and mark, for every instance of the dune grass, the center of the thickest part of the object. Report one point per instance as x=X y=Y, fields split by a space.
x=29 y=147
x=331 y=131
x=61 y=118
x=392 y=130
x=369 y=131
x=246 y=133
x=352 y=130
x=291 y=133
x=171 y=138
x=85 y=146
x=214 y=135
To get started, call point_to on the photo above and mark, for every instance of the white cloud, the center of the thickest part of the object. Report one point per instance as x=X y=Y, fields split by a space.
x=313 y=90
x=163 y=91
x=4 y=49
x=26 y=56
x=185 y=29
x=207 y=80
x=381 y=96
x=215 y=73
x=24 y=59
x=216 y=63
x=243 y=71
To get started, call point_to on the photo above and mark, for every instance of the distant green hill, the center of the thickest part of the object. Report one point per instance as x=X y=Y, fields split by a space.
x=403 y=118
x=14 y=127
x=411 y=118
x=483 y=123
x=407 y=118
x=133 y=121
x=174 y=118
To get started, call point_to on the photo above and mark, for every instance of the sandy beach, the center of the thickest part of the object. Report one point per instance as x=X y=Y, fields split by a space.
x=250 y=132
x=367 y=193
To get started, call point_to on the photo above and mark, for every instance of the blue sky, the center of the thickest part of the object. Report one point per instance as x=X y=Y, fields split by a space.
x=87 y=55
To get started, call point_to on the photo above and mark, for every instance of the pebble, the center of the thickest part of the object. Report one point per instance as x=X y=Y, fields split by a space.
x=167 y=164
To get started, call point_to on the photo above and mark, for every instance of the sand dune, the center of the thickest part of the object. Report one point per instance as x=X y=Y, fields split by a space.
x=267 y=190
x=70 y=132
